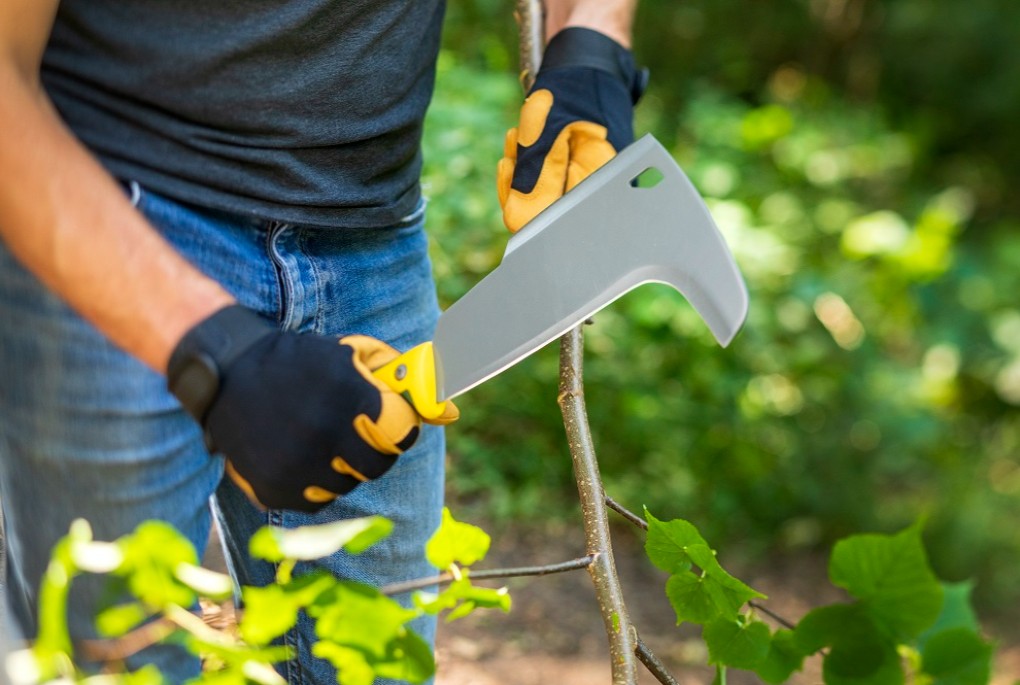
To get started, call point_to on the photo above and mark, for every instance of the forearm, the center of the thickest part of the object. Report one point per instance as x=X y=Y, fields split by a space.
x=614 y=18
x=66 y=219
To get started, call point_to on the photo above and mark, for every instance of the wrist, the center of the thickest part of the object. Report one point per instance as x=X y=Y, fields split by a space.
x=199 y=360
x=613 y=18
x=577 y=46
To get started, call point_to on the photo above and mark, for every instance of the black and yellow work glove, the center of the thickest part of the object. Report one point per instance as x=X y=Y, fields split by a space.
x=578 y=115
x=299 y=417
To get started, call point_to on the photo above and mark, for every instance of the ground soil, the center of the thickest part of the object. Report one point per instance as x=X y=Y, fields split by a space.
x=554 y=634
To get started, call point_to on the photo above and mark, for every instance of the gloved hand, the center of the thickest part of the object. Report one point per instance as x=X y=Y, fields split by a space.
x=299 y=417
x=578 y=115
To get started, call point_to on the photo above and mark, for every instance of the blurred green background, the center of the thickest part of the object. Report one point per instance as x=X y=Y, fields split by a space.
x=861 y=157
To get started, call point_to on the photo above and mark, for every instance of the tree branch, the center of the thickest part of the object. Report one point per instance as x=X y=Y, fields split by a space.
x=488 y=574
x=621 y=634
x=626 y=513
x=654 y=666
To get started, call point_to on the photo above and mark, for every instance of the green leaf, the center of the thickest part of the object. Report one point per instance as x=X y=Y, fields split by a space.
x=667 y=542
x=462 y=598
x=957 y=656
x=957 y=611
x=306 y=543
x=456 y=543
x=205 y=582
x=783 y=658
x=269 y=612
x=736 y=643
x=713 y=595
x=359 y=616
x=691 y=600
x=891 y=576
x=409 y=659
x=119 y=620
x=859 y=652
x=152 y=553
x=352 y=666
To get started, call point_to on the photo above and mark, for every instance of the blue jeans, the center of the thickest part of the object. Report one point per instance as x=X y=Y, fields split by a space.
x=88 y=431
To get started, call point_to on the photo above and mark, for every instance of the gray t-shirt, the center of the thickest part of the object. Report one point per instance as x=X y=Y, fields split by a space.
x=300 y=111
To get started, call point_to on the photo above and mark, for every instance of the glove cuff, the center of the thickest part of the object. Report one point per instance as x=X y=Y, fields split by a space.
x=199 y=359
x=577 y=46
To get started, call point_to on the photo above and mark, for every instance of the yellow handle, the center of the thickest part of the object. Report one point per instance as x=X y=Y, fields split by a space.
x=413 y=375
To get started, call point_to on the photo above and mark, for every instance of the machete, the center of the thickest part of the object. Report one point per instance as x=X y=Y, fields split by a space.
x=599 y=241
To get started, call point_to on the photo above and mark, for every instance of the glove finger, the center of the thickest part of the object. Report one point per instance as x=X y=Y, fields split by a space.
x=589 y=150
x=395 y=431
x=317 y=495
x=504 y=177
x=534 y=114
x=369 y=353
x=505 y=167
x=242 y=483
x=521 y=207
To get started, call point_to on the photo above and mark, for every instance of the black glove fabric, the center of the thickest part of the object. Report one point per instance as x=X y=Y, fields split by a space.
x=299 y=417
x=578 y=115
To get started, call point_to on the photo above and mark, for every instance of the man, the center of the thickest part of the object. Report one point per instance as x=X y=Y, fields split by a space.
x=221 y=199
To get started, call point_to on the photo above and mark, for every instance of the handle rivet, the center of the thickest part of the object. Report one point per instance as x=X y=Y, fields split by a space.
x=401 y=372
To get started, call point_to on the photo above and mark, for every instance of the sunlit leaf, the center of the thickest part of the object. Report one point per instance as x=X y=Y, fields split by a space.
x=456 y=543
x=409 y=658
x=118 y=620
x=359 y=616
x=205 y=582
x=352 y=666
x=307 y=543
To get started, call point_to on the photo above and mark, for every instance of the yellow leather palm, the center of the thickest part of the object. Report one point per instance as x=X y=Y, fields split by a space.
x=577 y=150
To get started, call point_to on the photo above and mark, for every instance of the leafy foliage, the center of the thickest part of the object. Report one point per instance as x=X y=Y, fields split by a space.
x=361 y=631
x=900 y=608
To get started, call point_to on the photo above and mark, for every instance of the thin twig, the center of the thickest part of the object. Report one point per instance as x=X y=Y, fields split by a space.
x=773 y=615
x=621 y=633
x=488 y=574
x=626 y=513
x=654 y=666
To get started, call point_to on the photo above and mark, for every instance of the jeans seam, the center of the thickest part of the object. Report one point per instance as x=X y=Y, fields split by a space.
x=317 y=321
x=284 y=286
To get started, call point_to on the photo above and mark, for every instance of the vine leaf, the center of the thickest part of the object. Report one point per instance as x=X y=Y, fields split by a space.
x=676 y=546
x=859 y=652
x=958 y=656
x=957 y=611
x=462 y=598
x=306 y=543
x=456 y=543
x=891 y=576
x=117 y=620
x=359 y=616
x=272 y=610
x=783 y=658
x=737 y=643
x=352 y=666
x=151 y=555
x=667 y=542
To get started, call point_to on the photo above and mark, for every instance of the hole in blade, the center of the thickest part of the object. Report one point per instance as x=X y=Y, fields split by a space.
x=649 y=178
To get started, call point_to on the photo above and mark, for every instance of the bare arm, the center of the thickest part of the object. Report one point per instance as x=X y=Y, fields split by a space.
x=66 y=219
x=614 y=18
